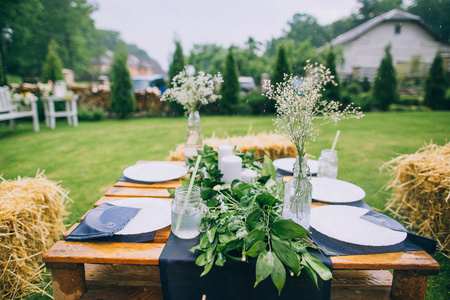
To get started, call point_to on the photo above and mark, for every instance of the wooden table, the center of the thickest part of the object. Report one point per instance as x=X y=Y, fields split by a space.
x=86 y=270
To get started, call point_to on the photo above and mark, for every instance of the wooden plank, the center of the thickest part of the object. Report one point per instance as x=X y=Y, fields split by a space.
x=103 y=275
x=160 y=185
x=410 y=260
x=161 y=235
x=104 y=253
x=409 y=285
x=125 y=293
x=137 y=192
x=362 y=278
x=68 y=281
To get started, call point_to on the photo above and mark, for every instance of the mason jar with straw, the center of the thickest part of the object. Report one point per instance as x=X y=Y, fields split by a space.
x=328 y=161
x=187 y=209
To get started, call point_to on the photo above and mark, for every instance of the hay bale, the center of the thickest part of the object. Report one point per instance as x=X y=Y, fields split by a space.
x=421 y=191
x=31 y=211
x=272 y=145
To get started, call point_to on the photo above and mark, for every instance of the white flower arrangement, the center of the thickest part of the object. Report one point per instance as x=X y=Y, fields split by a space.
x=193 y=91
x=300 y=108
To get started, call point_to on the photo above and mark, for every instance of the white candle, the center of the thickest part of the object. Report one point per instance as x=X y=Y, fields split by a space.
x=224 y=150
x=248 y=175
x=231 y=168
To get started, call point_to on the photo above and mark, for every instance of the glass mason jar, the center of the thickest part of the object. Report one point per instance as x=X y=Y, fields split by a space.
x=328 y=164
x=298 y=195
x=194 y=138
x=186 y=212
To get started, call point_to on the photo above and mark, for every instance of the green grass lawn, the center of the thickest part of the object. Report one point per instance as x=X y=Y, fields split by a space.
x=90 y=158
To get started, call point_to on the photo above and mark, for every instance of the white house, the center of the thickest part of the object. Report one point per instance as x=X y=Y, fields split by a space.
x=363 y=46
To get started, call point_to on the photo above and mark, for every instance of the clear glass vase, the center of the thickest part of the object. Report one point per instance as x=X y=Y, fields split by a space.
x=298 y=195
x=194 y=138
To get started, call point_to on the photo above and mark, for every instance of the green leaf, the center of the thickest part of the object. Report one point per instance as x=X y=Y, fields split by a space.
x=288 y=229
x=254 y=236
x=253 y=218
x=201 y=260
x=318 y=266
x=256 y=249
x=312 y=274
x=210 y=253
x=207 y=268
x=285 y=253
x=269 y=169
x=278 y=274
x=221 y=259
x=195 y=248
x=171 y=193
x=211 y=234
x=206 y=193
x=227 y=237
x=203 y=240
x=265 y=199
x=264 y=266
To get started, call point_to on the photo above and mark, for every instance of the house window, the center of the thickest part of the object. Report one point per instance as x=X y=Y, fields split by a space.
x=398 y=28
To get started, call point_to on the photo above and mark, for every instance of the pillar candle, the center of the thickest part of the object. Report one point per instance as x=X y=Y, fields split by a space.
x=224 y=150
x=231 y=168
x=248 y=175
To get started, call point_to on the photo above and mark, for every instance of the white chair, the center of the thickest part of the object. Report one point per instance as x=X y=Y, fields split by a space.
x=8 y=110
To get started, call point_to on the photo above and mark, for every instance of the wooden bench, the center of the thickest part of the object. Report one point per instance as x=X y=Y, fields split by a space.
x=9 y=112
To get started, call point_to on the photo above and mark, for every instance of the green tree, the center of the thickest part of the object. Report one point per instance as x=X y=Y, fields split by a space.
x=3 y=80
x=230 y=87
x=373 y=8
x=208 y=58
x=332 y=91
x=435 y=85
x=281 y=66
x=385 y=83
x=435 y=13
x=52 y=69
x=122 y=98
x=176 y=66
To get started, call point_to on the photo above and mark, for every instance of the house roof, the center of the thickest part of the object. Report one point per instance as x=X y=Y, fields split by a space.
x=393 y=15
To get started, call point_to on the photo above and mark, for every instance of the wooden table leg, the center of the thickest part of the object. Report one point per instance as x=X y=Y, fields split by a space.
x=409 y=285
x=69 y=281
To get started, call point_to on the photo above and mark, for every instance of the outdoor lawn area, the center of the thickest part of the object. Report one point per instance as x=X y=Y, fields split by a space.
x=88 y=159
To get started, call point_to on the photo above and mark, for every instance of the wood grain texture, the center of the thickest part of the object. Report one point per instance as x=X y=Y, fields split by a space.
x=104 y=253
x=410 y=260
x=104 y=275
x=137 y=192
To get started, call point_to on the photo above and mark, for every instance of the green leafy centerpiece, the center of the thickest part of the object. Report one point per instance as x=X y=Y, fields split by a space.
x=300 y=112
x=192 y=92
x=244 y=222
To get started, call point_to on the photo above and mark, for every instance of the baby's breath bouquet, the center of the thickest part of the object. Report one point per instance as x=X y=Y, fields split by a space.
x=300 y=112
x=192 y=92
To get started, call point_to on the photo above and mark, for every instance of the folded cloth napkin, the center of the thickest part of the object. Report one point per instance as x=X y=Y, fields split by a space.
x=180 y=278
x=101 y=223
x=412 y=242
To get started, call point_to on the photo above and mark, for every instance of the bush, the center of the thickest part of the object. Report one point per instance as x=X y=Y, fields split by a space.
x=385 y=84
x=257 y=104
x=52 y=69
x=364 y=100
x=435 y=85
x=400 y=107
x=410 y=100
x=93 y=114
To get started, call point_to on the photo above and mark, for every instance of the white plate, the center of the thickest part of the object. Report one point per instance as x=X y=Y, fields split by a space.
x=342 y=222
x=155 y=171
x=154 y=215
x=287 y=164
x=335 y=191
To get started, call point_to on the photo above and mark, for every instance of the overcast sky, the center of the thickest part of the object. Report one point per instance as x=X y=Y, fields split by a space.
x=154 y=24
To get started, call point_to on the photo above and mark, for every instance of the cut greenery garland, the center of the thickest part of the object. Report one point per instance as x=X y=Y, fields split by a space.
x=244 y=220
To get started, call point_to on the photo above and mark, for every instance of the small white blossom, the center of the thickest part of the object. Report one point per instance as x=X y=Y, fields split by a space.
x=300 y=108
x=193 y=91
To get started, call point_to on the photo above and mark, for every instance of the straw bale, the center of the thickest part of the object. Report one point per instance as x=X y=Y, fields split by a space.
x=31 y=212
x=272 y=145
x=421 y=191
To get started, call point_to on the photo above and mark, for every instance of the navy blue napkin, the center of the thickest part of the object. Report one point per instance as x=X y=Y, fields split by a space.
x=180 y=278
x=101 y=224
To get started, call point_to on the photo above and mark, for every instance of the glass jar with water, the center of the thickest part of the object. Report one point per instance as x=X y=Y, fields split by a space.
x=328 y=164
x=187 y=212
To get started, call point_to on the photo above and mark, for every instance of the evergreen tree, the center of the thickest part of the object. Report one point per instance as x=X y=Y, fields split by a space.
x=52 y=69
x=281 y=66
x=332 y=91
x=122 y=99
x=230 y=86
x=435 y=85
x=385 y=83
x=3 y=80
x=176 y=67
